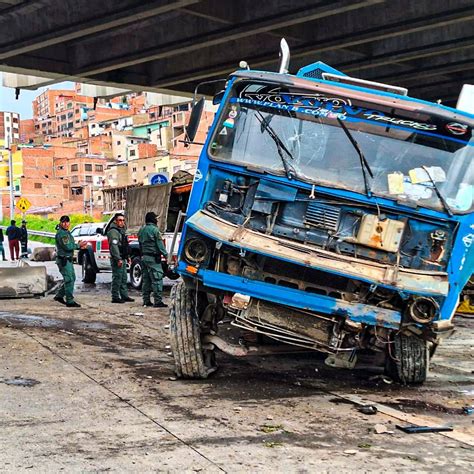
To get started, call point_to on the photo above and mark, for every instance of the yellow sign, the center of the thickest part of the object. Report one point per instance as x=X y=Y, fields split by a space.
x=23 y=204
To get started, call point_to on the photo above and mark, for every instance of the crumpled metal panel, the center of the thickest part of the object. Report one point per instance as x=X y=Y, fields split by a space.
x=428 y=283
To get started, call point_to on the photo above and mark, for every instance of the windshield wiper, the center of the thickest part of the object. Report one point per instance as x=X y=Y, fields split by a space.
x=265 y=125
x=363 y=161
x=438 y=193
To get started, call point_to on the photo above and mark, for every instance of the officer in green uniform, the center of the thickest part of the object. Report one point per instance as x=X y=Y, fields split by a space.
x=65 y=247
x=152 y=248
x=118 y=245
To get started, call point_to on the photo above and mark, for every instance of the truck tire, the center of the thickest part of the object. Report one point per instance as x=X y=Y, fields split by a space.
x=136 y=273
x=408 y=361
x=89 y=274
x=191 y=360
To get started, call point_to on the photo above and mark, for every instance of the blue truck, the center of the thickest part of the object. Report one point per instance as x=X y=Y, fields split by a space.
x=329 y=213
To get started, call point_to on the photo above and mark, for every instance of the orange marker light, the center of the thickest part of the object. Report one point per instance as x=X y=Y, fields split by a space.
x=191 y=269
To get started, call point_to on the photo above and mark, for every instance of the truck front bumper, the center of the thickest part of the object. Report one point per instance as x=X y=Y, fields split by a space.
x=356 y=312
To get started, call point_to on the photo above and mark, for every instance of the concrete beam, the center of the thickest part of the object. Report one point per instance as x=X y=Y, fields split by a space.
x=91 y=26
x=419 y=24
x=221 y=36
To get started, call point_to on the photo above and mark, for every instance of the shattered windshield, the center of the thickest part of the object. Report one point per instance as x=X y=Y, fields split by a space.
x=409 y=154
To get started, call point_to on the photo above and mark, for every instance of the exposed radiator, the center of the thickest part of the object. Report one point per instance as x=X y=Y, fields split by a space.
x=322 y=215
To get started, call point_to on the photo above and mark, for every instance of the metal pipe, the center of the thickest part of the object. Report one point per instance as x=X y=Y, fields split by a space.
x=284 y=57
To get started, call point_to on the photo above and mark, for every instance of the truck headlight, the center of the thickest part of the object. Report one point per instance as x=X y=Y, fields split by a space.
x=196 y=250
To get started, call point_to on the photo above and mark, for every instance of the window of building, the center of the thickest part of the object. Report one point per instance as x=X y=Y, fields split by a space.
x=144 y=168
x=76 y=191
x=61 y=167
x=74 y=167
x=88 y=179
x=38 y=185
x=118 y=142
x=162 y=170
x=99 y=167
x=134 y=169
x=74 y=179
x=69 y=105
x=88 y=167
x=99 y=198
x=132 y=152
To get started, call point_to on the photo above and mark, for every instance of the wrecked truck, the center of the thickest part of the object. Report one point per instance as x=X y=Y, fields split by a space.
x=329 y=213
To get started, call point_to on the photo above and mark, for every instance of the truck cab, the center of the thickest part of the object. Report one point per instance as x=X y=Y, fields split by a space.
x=328 y=213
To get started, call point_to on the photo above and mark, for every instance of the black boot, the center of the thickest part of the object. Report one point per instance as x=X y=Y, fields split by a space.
x=73 y=305
x=117 y=300
x=128 y=300
x=160 y=305
x=59 y=300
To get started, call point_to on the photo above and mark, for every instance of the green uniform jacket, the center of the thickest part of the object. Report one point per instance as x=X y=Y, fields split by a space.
x=150 y=241
x=118 y=243
x=65 y=244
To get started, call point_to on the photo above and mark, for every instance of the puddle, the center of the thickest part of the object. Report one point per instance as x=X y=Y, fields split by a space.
x=27 y=320
x=20 y=382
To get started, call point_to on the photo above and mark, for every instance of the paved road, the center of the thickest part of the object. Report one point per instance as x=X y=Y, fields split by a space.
x=103 y=397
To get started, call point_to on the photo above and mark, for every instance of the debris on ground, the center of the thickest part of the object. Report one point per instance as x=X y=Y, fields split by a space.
x=382 y=378
x=379 y=428
x=20 y=382
x=413 y=429
x=368 y=409
x=350 y=451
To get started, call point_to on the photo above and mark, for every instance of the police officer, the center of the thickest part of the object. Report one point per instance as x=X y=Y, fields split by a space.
x=65 y=247
x=118 y=245
x=152 y=248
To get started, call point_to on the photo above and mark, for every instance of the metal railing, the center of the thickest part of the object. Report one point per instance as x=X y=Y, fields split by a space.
x=39 y=233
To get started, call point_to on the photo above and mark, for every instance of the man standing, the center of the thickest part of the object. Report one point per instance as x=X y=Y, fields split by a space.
x=24 y=239
x=13 y=234
x=118 y=245
x=65 y=247
x=152 y=248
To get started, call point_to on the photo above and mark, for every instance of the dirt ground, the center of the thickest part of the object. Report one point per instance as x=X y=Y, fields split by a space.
x=93 y=389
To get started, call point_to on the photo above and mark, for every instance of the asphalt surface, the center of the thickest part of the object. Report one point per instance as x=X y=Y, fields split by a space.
x=93 y=389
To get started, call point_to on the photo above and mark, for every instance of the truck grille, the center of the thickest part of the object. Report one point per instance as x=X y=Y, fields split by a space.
x=323 y=216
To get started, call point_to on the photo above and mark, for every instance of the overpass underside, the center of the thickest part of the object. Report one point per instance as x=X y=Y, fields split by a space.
x=424 y=45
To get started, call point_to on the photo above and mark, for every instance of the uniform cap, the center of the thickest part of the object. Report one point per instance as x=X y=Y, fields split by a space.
x=64 y=219
x=151 y=217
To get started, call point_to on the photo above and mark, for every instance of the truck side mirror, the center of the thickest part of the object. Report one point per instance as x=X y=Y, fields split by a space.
x=99 y=231
x=194 y=120
x=217 y=99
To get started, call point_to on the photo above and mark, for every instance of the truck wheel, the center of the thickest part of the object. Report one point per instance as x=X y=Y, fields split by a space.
x=89 y=275
x=192 y=361
x=408 y=360
x=136 y=273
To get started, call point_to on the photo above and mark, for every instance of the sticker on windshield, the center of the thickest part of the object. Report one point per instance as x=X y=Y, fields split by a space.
x=321 y=105
x=223 y=131
x=197 y=176
x=229 y=122
x=457 y=128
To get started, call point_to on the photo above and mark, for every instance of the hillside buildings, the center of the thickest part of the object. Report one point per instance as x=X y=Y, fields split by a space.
x=76 y=146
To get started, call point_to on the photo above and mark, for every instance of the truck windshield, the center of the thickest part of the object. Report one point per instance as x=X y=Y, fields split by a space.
x=408 y=152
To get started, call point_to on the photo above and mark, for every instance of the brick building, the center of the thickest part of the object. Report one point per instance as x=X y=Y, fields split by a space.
x=9 y=127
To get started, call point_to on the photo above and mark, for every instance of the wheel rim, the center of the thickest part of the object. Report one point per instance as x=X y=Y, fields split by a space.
x=136 y=275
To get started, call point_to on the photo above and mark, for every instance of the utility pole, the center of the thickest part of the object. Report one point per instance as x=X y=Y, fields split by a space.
x=10 y=175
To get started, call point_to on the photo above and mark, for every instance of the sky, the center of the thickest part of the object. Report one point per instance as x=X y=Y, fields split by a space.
x=23 y=104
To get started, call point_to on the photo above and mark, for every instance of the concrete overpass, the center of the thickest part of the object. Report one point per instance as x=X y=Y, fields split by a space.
x=424 y=45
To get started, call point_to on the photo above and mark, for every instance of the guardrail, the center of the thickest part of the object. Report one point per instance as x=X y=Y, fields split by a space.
x=39 y=233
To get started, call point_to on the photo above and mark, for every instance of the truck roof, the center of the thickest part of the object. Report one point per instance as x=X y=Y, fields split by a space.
x=361 y=93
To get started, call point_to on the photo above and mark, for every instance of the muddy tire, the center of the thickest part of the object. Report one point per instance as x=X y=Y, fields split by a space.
x=408 y=361
x=191 y=360
x=89 y=275
x=136 y=273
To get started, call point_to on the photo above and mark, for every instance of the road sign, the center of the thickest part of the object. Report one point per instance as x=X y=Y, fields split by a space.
x=23 y=204
x=158 y=179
